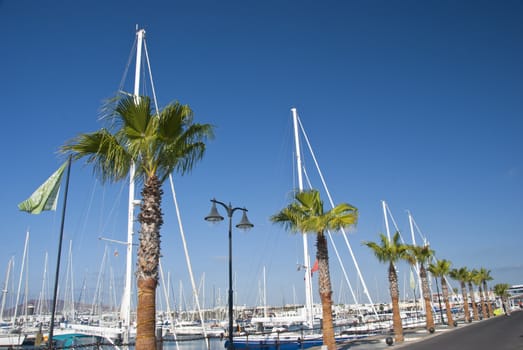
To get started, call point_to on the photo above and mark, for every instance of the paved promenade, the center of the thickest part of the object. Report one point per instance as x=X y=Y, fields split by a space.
x=496 y=333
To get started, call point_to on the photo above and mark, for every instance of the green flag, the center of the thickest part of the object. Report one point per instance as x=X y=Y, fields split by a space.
x=45 y=196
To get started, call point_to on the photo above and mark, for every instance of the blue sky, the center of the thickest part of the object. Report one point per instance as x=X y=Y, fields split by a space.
x=415 y=103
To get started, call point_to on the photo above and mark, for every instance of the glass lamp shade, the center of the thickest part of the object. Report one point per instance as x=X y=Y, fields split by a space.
x=214 y=215
x=244 y=223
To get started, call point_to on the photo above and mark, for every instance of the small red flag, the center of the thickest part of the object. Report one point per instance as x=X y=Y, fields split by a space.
x=314 y=267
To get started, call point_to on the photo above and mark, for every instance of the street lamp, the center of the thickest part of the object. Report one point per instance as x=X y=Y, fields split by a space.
x=245 y=224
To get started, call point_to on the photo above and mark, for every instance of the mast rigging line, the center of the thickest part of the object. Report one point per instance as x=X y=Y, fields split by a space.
x=149 y=70
x=365 y=289
x=394 y=222
x=187 y=258
x=336 y=251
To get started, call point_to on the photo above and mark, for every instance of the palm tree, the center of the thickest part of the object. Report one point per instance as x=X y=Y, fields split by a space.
x=461 y=276
x=421 y=255
x=441 y=269
x=157 y=145
x=477 y=279
x=306 y=215
x=501 y=290
x=392 y=251
x=485 y=276
x=470 y=279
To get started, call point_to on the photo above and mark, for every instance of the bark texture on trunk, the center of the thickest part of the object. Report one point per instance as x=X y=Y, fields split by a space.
x=426 y=298
x=445 y=290
x=473 y=301
x=489 y=304
x=324 y=284
x=146 y=315
x=395 y=297
x=465 y=301
x=328 y=328
x=482 y=305
x=150 y=218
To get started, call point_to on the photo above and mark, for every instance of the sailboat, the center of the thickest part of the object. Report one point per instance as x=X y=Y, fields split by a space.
x=11 y=333
x=7 y=338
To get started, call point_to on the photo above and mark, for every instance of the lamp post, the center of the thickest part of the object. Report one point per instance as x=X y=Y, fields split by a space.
x=214 y=216
x=439 y=300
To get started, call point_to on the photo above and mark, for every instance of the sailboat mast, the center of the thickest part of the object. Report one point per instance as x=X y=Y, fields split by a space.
x=306 y=259
x=385 y=217
x=4 y=291
x=21 y=275
x=417 y=264
x=264 y=293
x=125 y=311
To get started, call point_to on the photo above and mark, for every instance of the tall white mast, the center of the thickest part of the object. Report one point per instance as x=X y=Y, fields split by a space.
x=125 y=311
x=41 y=299
x=4 y=290
x=21 y=275
x=385 y=217
x=417 y=264
x=264 y=294
x=306 y=259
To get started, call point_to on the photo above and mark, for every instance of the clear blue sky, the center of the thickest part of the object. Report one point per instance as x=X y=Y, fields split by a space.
x=416 y=103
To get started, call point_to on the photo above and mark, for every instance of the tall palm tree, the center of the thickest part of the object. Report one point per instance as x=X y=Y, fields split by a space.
x=157 y=145
x=392 y=251
x=501 y=290
x=422 y=255
x=477 y=279
x=485 y=276
x=441 y=269
x=461 y=276
x=470 y=279
x=306 y=215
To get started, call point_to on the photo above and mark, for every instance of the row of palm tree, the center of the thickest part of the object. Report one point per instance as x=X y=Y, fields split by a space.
x=160 y=144
x=392 y=251
x=306 y=215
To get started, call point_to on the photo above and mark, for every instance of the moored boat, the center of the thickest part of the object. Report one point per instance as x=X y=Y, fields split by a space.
x=11 y=339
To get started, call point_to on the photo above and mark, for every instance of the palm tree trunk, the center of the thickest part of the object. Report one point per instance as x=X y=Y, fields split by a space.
x=426 y=297
x=473 y=301
x=465 y=301
x=395 y=296
x=445 y=290
x=489 y=304
x=146 y=315
x=483 y=308
x=150 y=218
x=324 y=284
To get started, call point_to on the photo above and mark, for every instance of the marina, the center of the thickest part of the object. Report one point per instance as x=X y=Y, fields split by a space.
x=136 y=264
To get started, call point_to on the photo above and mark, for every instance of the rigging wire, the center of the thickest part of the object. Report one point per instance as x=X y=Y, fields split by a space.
x=365 y=289
x=336 y=250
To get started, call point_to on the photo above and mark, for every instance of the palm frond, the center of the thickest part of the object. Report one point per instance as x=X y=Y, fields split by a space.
x=108 y=157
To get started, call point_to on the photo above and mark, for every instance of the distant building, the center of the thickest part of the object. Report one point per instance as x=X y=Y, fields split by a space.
x=516 y=295
x=516 y=291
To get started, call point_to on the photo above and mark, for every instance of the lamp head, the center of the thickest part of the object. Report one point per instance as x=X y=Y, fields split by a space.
x=214 y=215
x=244 y=223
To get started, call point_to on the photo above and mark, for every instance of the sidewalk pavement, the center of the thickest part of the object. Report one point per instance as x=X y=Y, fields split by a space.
x=410 y=336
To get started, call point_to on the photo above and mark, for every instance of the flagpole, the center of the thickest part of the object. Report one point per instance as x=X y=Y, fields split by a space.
x=53 y=309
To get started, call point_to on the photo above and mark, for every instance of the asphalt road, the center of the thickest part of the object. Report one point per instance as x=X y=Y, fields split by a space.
x=497 y=333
